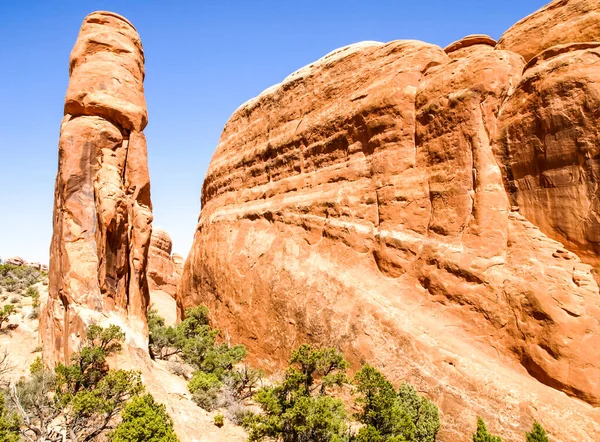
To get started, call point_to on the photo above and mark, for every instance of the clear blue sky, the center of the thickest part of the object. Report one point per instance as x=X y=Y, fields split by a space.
x=203 y=59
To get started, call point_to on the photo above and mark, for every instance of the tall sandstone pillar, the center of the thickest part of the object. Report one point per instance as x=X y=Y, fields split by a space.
x=102 y=207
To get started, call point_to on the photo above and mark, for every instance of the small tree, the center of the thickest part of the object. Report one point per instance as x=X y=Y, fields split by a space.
x=195 y=341
x=300 y=409
x=380 y=410
x=423 y=413
x=243 y=381
x=163 y=340
x=482 y=434
x=144 y=420
x=83 y=398
x=390 y=416
x=537 y=433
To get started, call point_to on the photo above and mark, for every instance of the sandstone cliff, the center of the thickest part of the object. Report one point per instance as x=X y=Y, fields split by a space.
x=164 y=273
x=431 y=211
x=164 y=267
x=102 y=207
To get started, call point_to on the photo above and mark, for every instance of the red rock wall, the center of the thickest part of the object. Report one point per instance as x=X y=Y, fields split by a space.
x=164 y=268
x=102 y=207
x=405 y=204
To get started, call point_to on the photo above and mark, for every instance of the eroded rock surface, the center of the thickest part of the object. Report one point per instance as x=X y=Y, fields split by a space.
x=559 y=22
x=550 y=142
x=430 y=211
x=164 y=268
x=102 y=207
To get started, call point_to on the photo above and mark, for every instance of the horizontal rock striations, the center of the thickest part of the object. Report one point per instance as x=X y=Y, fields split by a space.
x=102 y=207
x=431 y=211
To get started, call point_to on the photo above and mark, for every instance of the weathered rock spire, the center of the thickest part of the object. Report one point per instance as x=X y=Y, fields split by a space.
x=102 y=207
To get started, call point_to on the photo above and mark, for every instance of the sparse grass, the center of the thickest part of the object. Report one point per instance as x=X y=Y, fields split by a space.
x=35 y=313
x=178 y=369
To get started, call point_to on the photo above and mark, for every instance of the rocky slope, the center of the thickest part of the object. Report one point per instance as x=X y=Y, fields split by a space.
x=430 y=211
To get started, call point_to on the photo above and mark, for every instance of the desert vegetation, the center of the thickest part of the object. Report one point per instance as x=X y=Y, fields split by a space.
x=217 y=375
x=18 y=279
x=309 y=403
x=19 y=287
x=84 y=399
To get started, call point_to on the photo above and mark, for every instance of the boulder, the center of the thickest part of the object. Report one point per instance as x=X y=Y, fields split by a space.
x=16 y=261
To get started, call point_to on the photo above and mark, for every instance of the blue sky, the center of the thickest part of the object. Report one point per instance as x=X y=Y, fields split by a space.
x=203 y=59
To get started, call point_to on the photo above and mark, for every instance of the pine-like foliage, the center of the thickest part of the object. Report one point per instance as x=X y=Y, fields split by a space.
x=537 y=433
x=144 y=420
x=482 y=434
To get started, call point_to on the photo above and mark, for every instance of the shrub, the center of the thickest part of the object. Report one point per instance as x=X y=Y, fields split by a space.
x=537 y=433
x=423 y=413
x=144 y=420
x=34 y=314
x=10 y=284
x=219 y=420
x=236 y=412
x=368 y=434
x=178 y=368
x=17 y=278
x=84 y=396
x=243 y=381
x=32 y=292
x=9 y=423
x=205 y=388
x=482 y=434
x=389 y=415
x=299 y=408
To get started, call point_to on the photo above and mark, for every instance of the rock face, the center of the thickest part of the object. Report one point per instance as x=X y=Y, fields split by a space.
x=559 y=22
x=164 y=268
x=102 y=207
x=433 y=212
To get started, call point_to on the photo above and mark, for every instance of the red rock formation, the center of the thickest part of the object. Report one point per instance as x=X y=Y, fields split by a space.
x=164 y=269
x=102 y=208
x=559 y=22
x=404 y=203
x=550 y=144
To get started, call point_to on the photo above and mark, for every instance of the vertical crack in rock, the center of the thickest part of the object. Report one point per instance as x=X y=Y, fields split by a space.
x=102 y=208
